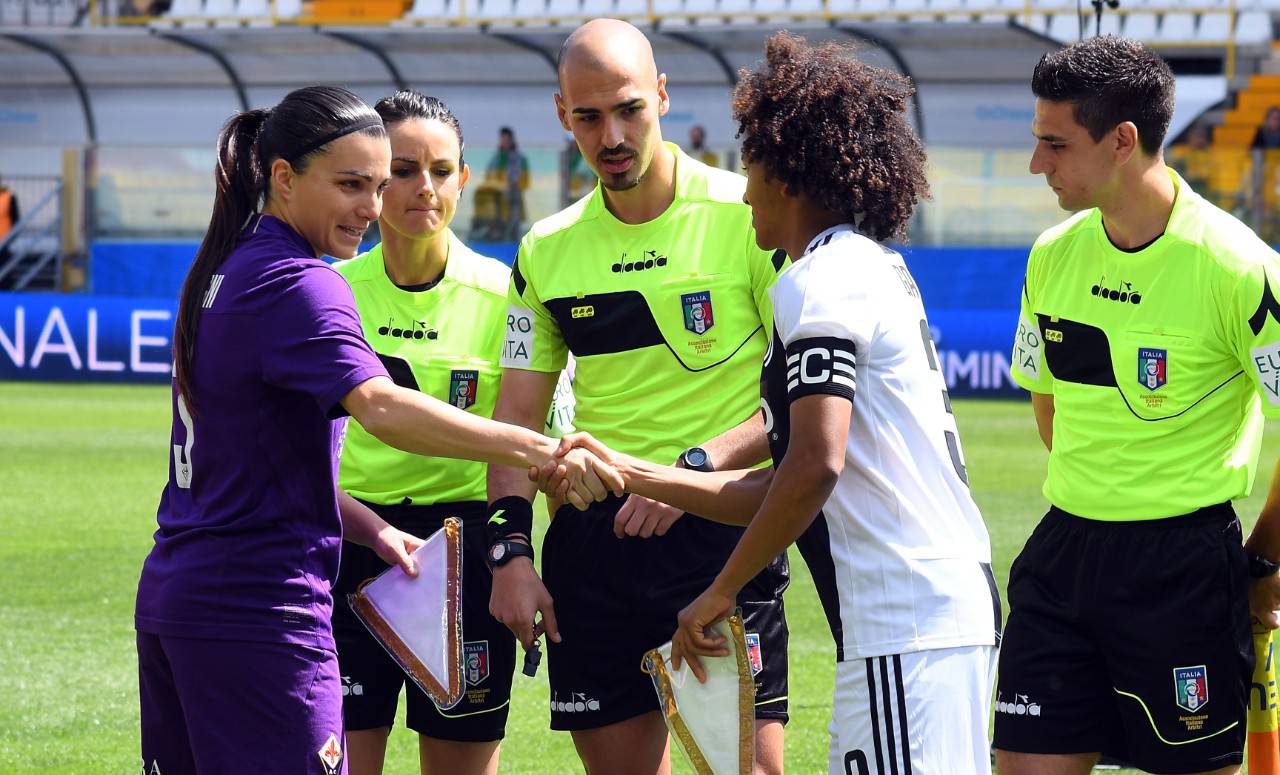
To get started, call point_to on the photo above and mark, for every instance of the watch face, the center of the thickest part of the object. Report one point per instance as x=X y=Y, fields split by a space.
x=497 y=552
x=696 y=457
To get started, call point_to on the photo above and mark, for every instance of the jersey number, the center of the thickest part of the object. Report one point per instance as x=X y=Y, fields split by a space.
x=855 y=763
x=952 y=436
x=182 y=454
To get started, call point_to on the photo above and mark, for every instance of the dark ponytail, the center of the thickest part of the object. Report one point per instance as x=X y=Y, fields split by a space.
x=301 y=126
x=407 y=103
x=238 y=188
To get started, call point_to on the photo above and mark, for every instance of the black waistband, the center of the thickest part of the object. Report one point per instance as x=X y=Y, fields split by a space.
x=470 y=512
x=1218 y=513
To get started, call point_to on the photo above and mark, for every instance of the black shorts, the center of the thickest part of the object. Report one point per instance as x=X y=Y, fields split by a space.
x=371 y=680
x=615 y=599
x=1129 y=638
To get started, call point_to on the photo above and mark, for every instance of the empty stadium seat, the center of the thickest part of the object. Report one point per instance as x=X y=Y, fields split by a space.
x=1214 y=27
x=186 y=8
x=700 y=6
x=806 y=7
x=1253 y=27
x=1140 y=26
x=288 y=9
x=536 y=9
x=631 y=9
x=493 y=9
x=596 y=8
x=1178 y=26
x=220 y=8
x=1064 y=27
x=427 y=9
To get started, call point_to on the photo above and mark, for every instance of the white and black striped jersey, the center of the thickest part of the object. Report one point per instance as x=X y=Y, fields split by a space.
x=899 y=553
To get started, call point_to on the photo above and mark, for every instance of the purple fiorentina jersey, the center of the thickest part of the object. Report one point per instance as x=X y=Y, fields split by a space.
x=249 y=532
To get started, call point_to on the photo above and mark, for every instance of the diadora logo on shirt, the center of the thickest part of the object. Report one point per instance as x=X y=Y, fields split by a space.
x=415 y=329
x=1124 y=294
x=1021 y=706
x=351 y=688
x=154 y=769
x=578 y=702
x=650 y=260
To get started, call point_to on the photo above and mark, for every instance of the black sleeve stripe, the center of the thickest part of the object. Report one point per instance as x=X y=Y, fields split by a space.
x=779 y=258
x=516 y=277
x=822 y=365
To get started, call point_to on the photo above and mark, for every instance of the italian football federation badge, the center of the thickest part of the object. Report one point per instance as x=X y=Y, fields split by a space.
x=1153 y=368
x=1191 y=687
x=476 y=659
x=697 y=312
x=331 y=754
x=463 y=386
x=753 y=653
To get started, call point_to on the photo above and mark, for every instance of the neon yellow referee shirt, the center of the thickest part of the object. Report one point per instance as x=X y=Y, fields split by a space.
x=444 y=342
x=668 y=320
x=1161 y=362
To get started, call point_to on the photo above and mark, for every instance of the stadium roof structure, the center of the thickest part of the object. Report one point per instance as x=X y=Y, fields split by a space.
x=255 y=63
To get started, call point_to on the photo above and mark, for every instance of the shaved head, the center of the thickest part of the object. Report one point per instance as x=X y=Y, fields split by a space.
x=607 y=46
x=612 y=97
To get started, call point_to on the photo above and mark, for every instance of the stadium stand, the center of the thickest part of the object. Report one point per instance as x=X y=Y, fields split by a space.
x=116 y=77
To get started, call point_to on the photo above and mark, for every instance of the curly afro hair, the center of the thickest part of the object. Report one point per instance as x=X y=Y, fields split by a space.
x=833 y=130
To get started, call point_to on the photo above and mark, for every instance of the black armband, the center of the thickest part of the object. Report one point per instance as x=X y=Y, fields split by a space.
x=509 y=516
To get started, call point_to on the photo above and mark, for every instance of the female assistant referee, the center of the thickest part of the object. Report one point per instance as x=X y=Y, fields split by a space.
x=237 y=668
x=434 y=312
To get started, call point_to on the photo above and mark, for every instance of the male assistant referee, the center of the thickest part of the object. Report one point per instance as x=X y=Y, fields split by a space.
x=1150 y=342
x=656 y=286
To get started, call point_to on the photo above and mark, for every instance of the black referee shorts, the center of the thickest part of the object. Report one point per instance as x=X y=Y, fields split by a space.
x=1129 y=638
x=617 y=598
x=371 y=680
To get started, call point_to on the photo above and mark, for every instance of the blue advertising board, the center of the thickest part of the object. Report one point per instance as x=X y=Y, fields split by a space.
x=62 y=337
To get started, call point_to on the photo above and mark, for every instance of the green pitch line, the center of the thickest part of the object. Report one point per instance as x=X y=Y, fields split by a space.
x=81 y=469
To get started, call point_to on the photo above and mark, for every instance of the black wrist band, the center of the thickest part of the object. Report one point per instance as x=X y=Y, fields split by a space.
x=509 y=516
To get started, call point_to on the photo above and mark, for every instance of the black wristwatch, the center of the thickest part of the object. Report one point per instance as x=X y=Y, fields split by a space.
x=503 y=552
x=1261 y=567
x=696 y=459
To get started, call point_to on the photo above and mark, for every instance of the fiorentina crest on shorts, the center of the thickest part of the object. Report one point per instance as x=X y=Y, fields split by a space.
x=1152 y=367
x=753 y=653
x=475 y=655
x=331 y=754
x=463 y=386
x=697 y=311
x=1191 y=687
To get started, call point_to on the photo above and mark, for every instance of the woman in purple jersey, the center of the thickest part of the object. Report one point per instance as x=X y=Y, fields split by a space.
x=237 y=669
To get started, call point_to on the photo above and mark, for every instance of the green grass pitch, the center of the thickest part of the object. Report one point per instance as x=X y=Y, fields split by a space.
x=81 y=469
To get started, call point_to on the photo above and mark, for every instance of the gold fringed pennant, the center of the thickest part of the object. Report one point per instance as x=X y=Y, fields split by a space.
x=713 y=723
x=419 y=620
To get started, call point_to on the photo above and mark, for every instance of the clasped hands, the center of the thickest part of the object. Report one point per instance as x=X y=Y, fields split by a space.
x=580 y=471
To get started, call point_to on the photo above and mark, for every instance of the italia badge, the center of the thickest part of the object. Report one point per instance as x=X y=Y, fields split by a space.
x=753 y=653
x=462 y=388
x=697 y=312
x=1153 y=368
x=476 y=659
x=1191 y=687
